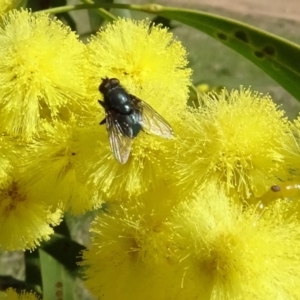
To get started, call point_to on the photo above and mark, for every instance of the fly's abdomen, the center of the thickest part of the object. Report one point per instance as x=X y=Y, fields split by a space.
x=129 y=125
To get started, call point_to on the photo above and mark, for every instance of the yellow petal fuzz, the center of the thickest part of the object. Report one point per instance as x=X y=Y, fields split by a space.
x=129 y=243
x=147 y=167
x=11 y=294
x=205 y=248
x=56 y=164
x=41 y=72
x=8 y=155
x=139 y=58
x=227 y=253
x=240 y=139
x=71 y=164
x=150 y=64
x=25 y=220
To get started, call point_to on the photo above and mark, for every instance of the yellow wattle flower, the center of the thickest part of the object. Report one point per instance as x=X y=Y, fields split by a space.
x=140 y=58
x=56 y=164
x=42 y=72
x=227 y=251
x=147 y=167
x=130 y=241
x=239 y=139
x=25 y=219
x=150 y=63
x=70 y=165
x=205 y=246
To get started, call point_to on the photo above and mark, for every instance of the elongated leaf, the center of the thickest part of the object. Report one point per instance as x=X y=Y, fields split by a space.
x=65 y=251
x=32 y=268
x=57 y=281
x=278 y=57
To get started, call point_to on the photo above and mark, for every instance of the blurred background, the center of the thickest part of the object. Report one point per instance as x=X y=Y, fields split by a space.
x=212 y=62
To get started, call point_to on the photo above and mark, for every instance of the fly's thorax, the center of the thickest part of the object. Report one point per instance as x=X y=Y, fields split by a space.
x=118 y=100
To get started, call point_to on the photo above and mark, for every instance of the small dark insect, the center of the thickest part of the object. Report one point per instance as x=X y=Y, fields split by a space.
x=126 y=116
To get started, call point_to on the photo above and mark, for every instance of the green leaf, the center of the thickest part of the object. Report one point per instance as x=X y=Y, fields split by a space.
x=53 y=266
x=65 y=251
x=278 y=57
x=56 y=280
x=32 y=268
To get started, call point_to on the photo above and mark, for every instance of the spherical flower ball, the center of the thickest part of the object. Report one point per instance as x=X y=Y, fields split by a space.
x=25 y=220
x=56 y=162
x=151 y=65
x=148 y=165
x=42 y=72
x=130 y=242
x=227 y=251
x=148 y=61
x=70 y=165
x=203 y=247
x=240 y=139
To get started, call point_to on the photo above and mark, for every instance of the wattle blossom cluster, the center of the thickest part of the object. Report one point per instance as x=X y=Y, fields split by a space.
x=201 y=216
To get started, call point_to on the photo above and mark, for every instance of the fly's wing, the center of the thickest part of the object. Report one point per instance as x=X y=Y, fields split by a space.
x=151 y=121
x=120 y=144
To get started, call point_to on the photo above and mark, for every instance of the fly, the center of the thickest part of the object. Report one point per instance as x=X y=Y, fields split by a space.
x=126 y=116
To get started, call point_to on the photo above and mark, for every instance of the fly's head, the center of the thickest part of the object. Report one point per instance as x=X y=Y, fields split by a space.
x=107 y=84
